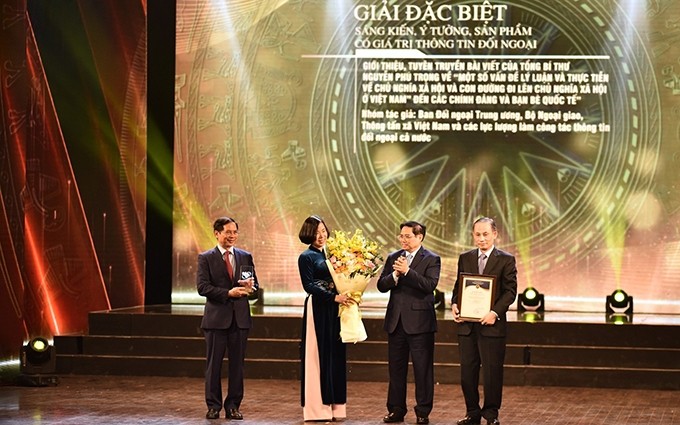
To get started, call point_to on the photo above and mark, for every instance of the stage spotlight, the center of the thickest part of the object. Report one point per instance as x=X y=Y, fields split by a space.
x=619 y=307
x=531 y=300
x=619 y=303
x=38 y=363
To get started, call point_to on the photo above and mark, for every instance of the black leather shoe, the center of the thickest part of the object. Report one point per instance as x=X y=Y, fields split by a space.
x=212 y=414
x=392 y=418
x=469 y=421
x=493 y=422
x=422 y=420
x=234 y=414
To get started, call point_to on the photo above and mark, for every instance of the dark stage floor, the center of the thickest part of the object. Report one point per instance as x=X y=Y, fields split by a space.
x=159 y=400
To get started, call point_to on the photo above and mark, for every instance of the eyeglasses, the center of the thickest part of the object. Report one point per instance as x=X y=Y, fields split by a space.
x=405 y=236
x=230 y=232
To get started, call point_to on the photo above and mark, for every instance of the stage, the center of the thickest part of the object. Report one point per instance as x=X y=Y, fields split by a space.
x=145 y=365
x=552 y=349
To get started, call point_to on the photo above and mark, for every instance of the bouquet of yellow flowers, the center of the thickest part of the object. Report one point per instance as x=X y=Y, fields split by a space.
x=352 y=261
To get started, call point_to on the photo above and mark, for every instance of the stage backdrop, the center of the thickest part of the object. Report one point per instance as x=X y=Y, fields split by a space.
x=559 y=119
x=72 y=164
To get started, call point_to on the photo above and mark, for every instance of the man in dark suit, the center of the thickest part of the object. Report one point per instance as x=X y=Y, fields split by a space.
x=482 y=342
x=225 y=283
x=411 y=275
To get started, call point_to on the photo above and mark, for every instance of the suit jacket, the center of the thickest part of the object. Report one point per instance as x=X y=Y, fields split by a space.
x=502 y=265
x=213 y=283
x=412 y=298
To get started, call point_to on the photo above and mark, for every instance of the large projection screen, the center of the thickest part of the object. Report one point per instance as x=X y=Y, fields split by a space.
x=558 y=118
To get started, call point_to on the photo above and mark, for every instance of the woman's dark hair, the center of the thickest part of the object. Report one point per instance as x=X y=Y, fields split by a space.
x=308 y=230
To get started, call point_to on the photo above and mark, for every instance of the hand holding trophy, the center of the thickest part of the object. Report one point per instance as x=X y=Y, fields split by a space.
x=247 y=278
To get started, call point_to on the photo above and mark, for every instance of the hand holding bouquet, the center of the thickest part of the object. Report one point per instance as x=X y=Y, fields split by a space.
x=352 y=261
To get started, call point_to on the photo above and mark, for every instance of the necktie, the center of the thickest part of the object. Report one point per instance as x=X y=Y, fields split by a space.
x=482 y=263
x=230 y=269
x=409 y=258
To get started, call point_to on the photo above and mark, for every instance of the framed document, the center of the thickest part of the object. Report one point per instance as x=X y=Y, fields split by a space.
x=475 y=296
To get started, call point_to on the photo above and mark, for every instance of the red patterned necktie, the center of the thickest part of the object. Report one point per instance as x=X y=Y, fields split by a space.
x=227 y=260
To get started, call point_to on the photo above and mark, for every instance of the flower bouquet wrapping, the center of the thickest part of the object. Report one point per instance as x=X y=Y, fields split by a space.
x=352 y=261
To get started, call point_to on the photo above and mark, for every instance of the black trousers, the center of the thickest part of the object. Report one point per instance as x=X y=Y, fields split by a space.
x=488 y=354
x=231 y=341
x=420 y=347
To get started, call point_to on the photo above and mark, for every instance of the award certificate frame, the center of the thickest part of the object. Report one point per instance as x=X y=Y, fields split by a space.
x=476 y=293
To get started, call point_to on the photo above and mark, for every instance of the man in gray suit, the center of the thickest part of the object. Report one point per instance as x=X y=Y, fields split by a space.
x=482 y=342
x=226 y=318
x=410 y=275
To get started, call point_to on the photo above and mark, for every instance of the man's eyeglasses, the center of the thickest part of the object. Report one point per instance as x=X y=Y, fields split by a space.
x=405 y=236
x=230 y=232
